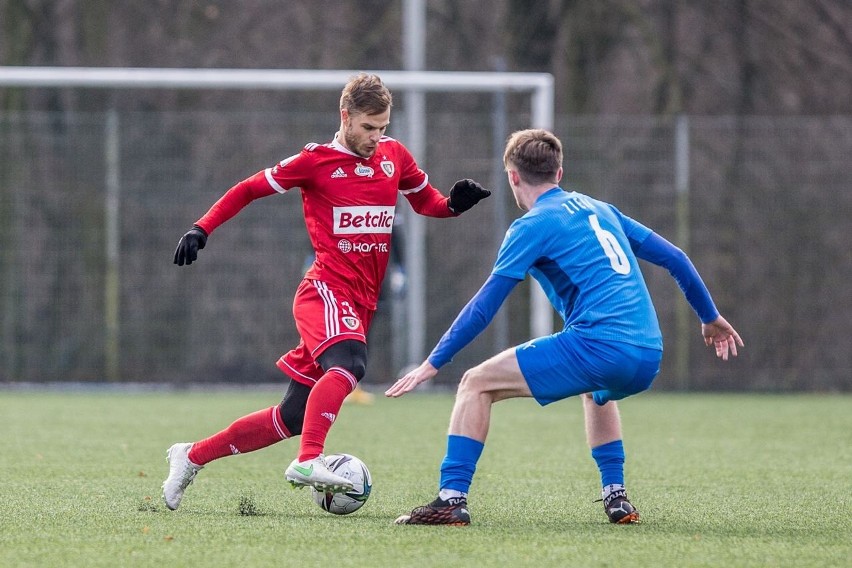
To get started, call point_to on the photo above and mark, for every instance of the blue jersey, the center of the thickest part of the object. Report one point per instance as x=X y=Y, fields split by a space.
x=579 y=249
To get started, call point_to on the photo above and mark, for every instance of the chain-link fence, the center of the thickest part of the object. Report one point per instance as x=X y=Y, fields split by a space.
x=763 y=205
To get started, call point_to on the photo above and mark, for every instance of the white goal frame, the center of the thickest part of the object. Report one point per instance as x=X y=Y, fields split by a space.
x=540 y=86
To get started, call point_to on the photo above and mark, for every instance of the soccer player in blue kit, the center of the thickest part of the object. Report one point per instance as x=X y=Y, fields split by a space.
x=584 y=254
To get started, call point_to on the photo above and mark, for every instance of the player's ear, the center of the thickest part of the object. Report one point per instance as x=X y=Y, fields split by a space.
x=514 y=177
x=559 y=175
x=344 y=116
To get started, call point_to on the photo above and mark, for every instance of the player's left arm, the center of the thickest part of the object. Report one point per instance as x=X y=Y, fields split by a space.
x=464 y=194
x=470 y=322
x=473 y=318
x=428 y=201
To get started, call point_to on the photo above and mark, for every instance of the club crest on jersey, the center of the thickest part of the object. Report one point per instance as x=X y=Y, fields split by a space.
x=364 y=171
x=351 y=322
x=388 y=168
x=349 y=317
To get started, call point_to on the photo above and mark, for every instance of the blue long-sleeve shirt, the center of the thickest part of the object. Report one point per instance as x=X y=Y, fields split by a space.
x=583 y=253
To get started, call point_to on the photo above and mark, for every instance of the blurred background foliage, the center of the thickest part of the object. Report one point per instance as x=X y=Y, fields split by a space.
x=765 y=86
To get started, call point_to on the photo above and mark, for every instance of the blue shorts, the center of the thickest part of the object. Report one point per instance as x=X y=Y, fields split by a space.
x=565 y=364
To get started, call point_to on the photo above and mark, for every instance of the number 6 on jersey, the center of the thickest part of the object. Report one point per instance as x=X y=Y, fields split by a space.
x=617 y=258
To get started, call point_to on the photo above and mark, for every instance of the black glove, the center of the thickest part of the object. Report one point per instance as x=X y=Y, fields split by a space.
x=189 y=245
x=466 y=193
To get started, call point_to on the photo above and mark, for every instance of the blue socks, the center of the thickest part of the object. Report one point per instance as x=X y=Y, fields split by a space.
x=463 y=453
x=460 y=462
x=610 y=460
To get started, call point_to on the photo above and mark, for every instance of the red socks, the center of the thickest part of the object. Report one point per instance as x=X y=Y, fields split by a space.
x=247 y=434
x=324 y=403
x=264 y=427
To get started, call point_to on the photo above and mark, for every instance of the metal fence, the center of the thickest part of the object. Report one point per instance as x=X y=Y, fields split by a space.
x=762 y=204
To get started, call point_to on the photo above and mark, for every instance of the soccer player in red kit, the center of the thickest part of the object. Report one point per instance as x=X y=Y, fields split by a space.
x=349 y=190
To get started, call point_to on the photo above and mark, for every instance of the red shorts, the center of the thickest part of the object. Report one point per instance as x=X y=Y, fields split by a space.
x=323 y=317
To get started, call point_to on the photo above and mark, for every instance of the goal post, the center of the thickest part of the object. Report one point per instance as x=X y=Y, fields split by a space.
x=540 y=87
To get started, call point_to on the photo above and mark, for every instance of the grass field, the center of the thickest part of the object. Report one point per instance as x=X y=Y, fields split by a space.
x=721 y=481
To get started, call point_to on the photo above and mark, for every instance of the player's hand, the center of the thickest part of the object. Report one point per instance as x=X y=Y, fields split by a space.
x=723 y=336
x=411 y=379
x=189 y=245
x=466 y=193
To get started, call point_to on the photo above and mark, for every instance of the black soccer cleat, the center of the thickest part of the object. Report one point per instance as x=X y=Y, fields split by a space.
x=619 y=509
x=452 y=512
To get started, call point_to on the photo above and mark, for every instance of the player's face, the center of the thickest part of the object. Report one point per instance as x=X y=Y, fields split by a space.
x=361 y=131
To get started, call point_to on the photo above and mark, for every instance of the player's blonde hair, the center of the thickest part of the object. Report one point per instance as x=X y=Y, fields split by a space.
x=536 y=154
x=365 y=93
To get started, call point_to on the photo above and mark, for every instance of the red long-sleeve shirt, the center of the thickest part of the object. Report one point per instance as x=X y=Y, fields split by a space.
x=349 y=205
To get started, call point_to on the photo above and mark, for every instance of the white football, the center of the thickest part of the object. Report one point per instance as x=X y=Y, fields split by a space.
x=353 y=469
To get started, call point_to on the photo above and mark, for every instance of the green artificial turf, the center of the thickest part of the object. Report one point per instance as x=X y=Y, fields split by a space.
x=721 y=480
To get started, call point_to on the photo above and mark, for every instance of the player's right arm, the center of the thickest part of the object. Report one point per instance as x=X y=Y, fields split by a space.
x=277 y=179
x=721 y=335
x=659 y=251
x=234 y=200
x=226 y=207
x=715 y=329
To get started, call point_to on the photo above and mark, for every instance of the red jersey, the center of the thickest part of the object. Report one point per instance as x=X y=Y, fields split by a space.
x=349 y=204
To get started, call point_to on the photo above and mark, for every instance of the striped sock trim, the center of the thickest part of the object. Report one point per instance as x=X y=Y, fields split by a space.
x=278 y=424
x=353 y=382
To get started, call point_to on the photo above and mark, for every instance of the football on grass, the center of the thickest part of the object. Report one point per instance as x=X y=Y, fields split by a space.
x=353 y=469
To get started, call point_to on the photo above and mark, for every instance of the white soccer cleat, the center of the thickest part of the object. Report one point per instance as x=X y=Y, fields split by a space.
x=315 y=473
x=181 y=473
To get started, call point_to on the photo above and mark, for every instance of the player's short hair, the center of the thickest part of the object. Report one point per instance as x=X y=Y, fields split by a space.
x=367 y=94
x=536 y=154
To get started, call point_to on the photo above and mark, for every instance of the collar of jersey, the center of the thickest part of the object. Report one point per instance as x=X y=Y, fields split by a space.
x=341 y=148
x=548 y=194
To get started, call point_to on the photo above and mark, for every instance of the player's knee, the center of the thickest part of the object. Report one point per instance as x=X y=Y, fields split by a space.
x=292 y=407
x=292 y=416
x=472 y=382
x=350 y=355
x=358 y=366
